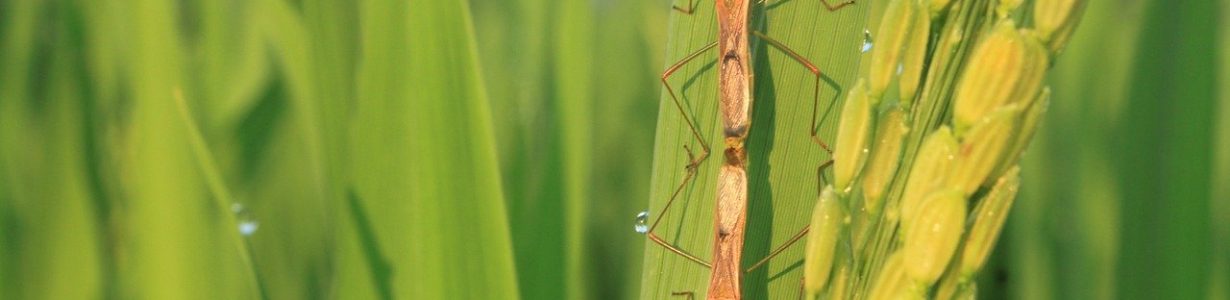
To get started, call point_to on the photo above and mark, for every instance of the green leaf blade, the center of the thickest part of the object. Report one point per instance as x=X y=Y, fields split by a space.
x=782 y=158
x=423 y=159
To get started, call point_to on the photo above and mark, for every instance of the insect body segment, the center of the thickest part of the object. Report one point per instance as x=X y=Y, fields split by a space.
x=735 y=81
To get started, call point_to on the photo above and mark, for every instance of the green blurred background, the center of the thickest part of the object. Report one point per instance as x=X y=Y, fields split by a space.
x=499 y=149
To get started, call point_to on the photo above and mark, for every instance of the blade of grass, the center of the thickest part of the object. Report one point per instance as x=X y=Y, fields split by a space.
x=783 y=161
x=423 y=157
x=98 y=58
x=1219 y=279
x=574 y=40
x=1166 y=243
x=316 y=142
x=517 y=41
x=231 y=59
x=46 y=206
x=172 y=240
x=1121 y=101
x=289 y=38
x=334 y=33
x=335 y=30
x=1086 y=106
x=621 y=112
x=625 y=94
x=17 y=27
x=223 y=200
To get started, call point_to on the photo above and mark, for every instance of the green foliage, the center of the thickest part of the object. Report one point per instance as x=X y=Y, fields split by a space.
x=137 y=134
x=782 y=158
x=574 y=97
x=426 y=200
x=1116 y=198
x=421 y=150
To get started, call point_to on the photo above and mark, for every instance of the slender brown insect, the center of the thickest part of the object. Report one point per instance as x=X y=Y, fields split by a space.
x=735 y=96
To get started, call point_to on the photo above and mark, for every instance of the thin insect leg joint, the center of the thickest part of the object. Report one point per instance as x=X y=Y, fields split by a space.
x=685 y=10
x=815 y=110
x=690 y=295
x=832 y=7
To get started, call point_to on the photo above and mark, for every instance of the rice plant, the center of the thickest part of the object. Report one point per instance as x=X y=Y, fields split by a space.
x=926 y=207
x=478 y=149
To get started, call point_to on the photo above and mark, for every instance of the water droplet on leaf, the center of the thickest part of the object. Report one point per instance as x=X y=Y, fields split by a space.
x=248 y=227
x=641 y=220
x=867 y=43
x=246 y=224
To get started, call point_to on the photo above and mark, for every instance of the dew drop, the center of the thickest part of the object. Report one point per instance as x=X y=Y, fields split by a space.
x=246 y=224
x=867 y=43
x=641 y=219
x=248 y=227
x=900 y=68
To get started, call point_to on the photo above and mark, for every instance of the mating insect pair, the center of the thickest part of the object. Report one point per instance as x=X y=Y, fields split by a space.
x=735 y=75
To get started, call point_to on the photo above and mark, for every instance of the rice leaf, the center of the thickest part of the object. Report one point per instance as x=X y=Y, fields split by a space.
x=781 y=151
x=426 y=213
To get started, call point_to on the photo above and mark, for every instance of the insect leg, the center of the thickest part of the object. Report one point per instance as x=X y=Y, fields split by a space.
x=690 y=295
x=693 y=163
x=832 y=7
x=814 y=137
x=685 y=10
